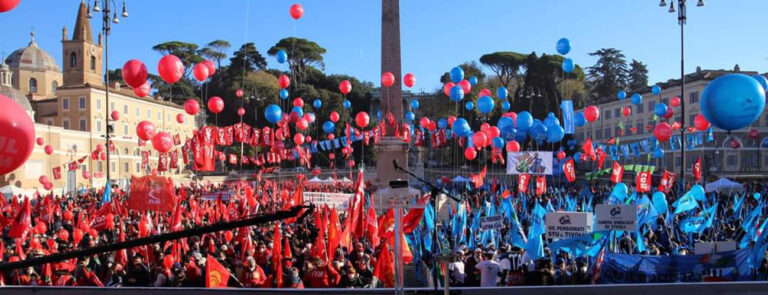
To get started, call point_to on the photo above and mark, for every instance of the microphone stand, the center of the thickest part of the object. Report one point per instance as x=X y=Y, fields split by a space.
x=434 y=193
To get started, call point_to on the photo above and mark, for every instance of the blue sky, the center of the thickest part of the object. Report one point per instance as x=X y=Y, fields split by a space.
x=436 y=34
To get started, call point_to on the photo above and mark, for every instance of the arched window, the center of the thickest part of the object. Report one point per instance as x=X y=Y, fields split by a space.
x=54 y=85
x=73 y=60
x=93 y=63
x=32 y=85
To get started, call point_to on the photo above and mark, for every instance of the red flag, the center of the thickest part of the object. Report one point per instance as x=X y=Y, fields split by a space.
x=277 y=259
x=589 y=149
x=162 y=162
x=522 y=182
x=569 y=169
x=356 y=221
x=600 y=158
x=217 y=275
x=23 y=222
x=154 y=193
x=617 y=173
x=413 y=217
x=387 y=224
x=57 y=173
x=334 y=232
x=541 y=185
x=372 y=227
x=643 y=182
x=667 y=179
x=477 y=179
x=697 y=170
x=385 y=267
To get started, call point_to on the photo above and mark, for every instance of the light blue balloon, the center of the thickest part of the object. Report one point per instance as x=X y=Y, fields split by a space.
x=656 y=89
x=504 y=123
x=540 y=132
x=317 y=103
x=563 y=46
x=378 y=114
x=658 y=153
x=273 y=113
x=577 y=157
x=457 y=74
x=442 y=123
x=485 y=104
x=461 y=127
x=524 y=121
x=469 y=105
x=298 y=110
x=347 y=104
x=637 y=99
x=568 y=65
x=498 y=142
x=473 y=80
x=505 y=106
x=502 y=92
x=555 y=133
x=282 y=56
x=457 y=94
x=732 y=101
x=621 y=95
x=660 y=109
x=415 y=104
x=410 y=116
x=283 y=94
x=329 y=127
x=697 y=192
x=551 y=120
x=579 y=119
x=620 y=191
x=762 y=80
x=660 y=202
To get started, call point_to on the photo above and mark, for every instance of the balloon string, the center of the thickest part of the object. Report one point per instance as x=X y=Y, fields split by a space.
x=245 y=39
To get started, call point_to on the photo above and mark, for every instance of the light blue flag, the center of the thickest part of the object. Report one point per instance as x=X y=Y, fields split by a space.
x=710 y=215
x=107 y=196
x=640 y=242
x=685 y=203
x=758 y=251
x=738 y=202
x=551 y=208
x=586 y=244
x=539 y=211
x=535 y=246
x=568 y=124
x=692 y=224
x=646 y=212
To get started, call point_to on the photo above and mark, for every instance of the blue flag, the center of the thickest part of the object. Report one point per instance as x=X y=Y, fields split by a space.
x=738 y=202
x=107 y=196
x=758 y=251
x=568 y=124
x=685 y=203
x=587 y=244
x=646 y=212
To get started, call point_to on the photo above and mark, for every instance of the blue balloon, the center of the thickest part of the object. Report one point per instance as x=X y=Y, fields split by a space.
x=473 y=80
x=563 y=46
x=317 y=103
x=505 y=122
x=660 y=202
x=282 y=56
x=577 y=157
x=283 y=93
x=696 y=191
x=347 y=104
x=579 y=119
x=539 y=132
x=329 y=127
x=620 y=191
x=660 y=109
x=524 y=121
x=551 y=120
x=656 y=89
x=510 y=133
x=637 y=99
x=378 y=114
x=461 y=127
x=621 y=95
x=762 y=80
x=658 y=153
x=457 y=74
x=469 y=105
x=415 y=104
x=298 y=110
x=555 y=133
x=457 y=94
x=442 y=123
x=505 y=106
x=568 y=65
x=502 y=92
x=410 y=116
x=498 y=142
x=732 y=101
x=273 y=113
x=485 y=104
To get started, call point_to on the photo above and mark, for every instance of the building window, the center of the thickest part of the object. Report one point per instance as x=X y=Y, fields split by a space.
x=65 y=104
x=639 y=127
x=159 y=117
x=32 y=85
x=126 y=167
x=49 y=122
x=640 y=108
x=608 y=114
x=731 y=160
x=73 y=60
x=112 y=106
x=693 y=97
x=651 y=106
x=607 y=132
x=98 y=104
x=665 y=101
x=691 y=119
x=138 y=166
x=149 y=114
x=83 y=125
x=125 y=109
x=82 y=103
x=138 y=113
x=112 y=166
x=54 y=85
x=98 y=125
x=616 y=113
x=599 y=134
x=99 y=167
x=678 y=161
x=93 y=63
x=125 y=129
x=65 y=123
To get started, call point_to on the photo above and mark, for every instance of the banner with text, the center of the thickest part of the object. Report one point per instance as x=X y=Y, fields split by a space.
x=337 y=200
x=561 y=225
x=616 y=217
x=533 y=162
x=631 y=269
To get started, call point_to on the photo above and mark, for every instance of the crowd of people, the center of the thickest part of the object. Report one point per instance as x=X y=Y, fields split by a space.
x=327 y=249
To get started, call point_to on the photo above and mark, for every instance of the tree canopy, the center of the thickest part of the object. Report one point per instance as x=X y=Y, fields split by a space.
x=302 y=53
x=638 y=75
x=609 y=74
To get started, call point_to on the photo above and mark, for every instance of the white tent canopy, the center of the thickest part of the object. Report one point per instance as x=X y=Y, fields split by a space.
x=345 y=180
x=723 y=184
x=328 y=180
x=11 y=190
x=315 y=180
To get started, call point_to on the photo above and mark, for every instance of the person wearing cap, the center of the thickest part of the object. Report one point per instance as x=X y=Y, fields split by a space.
x=472 y=278
x=456 y=269
x=253 y=275
x=490 y=270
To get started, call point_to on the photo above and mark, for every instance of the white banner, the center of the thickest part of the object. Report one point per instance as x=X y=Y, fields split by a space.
x=491 y=222
x=338 y=200
x=213 y=196
x=533 y=162
x=616 y=217
x=563 y=225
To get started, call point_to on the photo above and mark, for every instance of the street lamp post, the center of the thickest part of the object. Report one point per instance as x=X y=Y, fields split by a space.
x=681 y=20
x=106 y=28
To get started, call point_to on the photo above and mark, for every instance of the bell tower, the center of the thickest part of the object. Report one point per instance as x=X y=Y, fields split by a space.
x=82 y=58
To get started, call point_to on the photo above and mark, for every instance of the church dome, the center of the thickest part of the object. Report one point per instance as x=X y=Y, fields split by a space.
x=14 y=94
x=32 y=58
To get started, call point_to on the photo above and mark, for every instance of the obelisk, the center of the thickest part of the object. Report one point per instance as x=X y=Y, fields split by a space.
x=391 y=148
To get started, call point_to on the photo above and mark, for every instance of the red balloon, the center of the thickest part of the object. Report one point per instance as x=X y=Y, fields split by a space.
x=409 y=80
x=753 y=133
x=676 y=126
x=48 y=149
x=432 y=126
x=485 y=126
x=283 y=81
x=180 y=118
x=511 y=115
x=170 y=68
x=145 y=130
x=162 y=142
x=168 y=261
x=63 y=233
x=560 y=155
x=43 y=179
x=99 y=148
x=670 y=112
x=362 y=119
x=40 y=141
x=307 y=138
x=494 y=131
x=200 y=71
x=626 y=111
x=302 y=124
x=387 y=79
x=191 y=106
x=451 y=119
x=465 y=85
x=298 y=102
x=240 y=112
x=239 y=93
x=331 y=137
x=77 y=235
x=735 y=144
x=447 y=88
x=470 y=153
x=7 y=5
x=424 y=122
x=47 y=186
x=216 y=104
x=316 y=171
x=674 y=101
x=662 y=132
x=103 y=156
x=334 y=117
x=143 y=90
x=484 y=92
x=345 y=87
x=297 y=11
x=513 y=146
x=701 y=122
x=298 y=139
x=211 y=67
x=592 y=113
x=134 y=73
x=17 y=138
x=480 y=139
x=86 y=174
